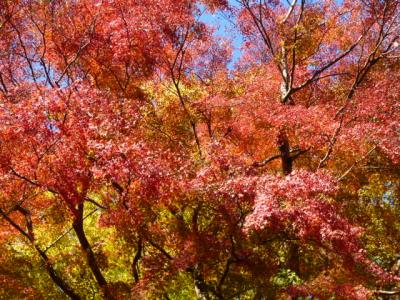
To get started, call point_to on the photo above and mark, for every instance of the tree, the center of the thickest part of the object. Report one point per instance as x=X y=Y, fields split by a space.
x=135 y=163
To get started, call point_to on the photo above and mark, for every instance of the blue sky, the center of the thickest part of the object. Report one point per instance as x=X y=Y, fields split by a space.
x=225 y=28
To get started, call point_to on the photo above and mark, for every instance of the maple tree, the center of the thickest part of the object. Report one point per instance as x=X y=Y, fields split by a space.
x=136 y=161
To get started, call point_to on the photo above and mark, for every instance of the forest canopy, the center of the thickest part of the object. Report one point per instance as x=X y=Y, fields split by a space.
x=149 y=153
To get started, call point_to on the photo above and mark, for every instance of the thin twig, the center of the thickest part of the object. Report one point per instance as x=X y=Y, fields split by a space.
x=69 y=230
x=356 y=163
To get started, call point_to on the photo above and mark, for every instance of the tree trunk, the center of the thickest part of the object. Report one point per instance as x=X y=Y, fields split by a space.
x=284 y=149
x=56 y=279
x=48 y=265
x=90 y=257
x=294 y=258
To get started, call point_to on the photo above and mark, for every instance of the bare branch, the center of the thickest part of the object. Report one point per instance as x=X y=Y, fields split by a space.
x=295 y=150
x=68 y=231
x=290 y=11
x=266 y=161
x=159 y=248
x=332 y=143
x=341 y=177
x=382 y=292
x=95 y=203
x=316 y=74
x=15 y=225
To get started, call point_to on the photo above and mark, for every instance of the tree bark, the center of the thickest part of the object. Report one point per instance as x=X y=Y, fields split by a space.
x=284 y=149
x=48 y=265
x=88 y=251
x=294 y=258
x=56 y=279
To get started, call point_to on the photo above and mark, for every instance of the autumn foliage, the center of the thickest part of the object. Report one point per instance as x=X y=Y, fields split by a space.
x=142 y=156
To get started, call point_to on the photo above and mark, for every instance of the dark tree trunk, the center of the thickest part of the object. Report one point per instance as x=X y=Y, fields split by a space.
x=90 y=256
x=284 y=149
x=47 y=263
x=56 y=279
x=294 y=258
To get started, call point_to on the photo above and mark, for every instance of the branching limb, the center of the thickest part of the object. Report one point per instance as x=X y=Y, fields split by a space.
x=290 y=11
x=266 y=161
x=68 y=231
x=297 y=152
x=47 y=263
x=159 y=248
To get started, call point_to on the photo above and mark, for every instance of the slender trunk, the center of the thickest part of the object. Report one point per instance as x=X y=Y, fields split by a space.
x=138 y=255
x=56 y=279
x=48 y=265
x=90 y=257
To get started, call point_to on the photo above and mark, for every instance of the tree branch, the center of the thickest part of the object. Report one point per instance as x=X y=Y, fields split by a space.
x=95 y=203
x=295 y=150
x=383 y=292
x=341 y=177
